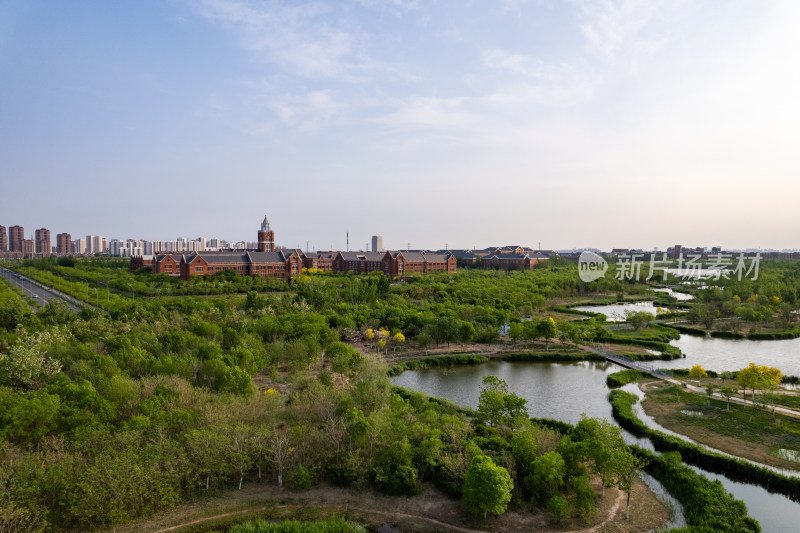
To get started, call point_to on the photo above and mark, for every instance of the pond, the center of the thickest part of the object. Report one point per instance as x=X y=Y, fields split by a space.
x=616 y=312
x=734 y=354
x=680 y=296
x=541 y=384
x=566 y=390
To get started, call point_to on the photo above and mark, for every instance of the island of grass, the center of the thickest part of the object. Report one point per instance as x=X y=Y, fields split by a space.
x=753 y=433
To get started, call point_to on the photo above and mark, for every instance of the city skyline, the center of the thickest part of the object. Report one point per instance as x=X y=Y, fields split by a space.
x=592 y=124
x=137 y=246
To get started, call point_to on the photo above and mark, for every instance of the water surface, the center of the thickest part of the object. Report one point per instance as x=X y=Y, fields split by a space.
x=564 y=391
x=735 y=354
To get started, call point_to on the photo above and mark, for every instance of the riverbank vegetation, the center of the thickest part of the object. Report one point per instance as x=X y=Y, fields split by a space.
x=623 y=377
x=743 y=431
x=736 y=469
x=707 y=506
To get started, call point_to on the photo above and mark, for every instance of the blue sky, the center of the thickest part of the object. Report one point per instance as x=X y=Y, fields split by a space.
x=599 y=123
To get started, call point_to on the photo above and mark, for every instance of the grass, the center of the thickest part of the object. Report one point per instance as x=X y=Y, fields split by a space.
x=742 y=431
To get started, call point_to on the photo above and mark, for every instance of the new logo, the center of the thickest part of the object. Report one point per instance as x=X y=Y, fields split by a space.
x=591 y=266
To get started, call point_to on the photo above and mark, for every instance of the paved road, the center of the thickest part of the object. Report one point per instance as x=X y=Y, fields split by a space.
x=36 y=290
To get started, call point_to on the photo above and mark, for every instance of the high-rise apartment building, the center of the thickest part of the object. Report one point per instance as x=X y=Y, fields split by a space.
x=3 y=239
x=377 y=243
x=43 y=245
x=96 y=244
x=79 y=246
x=16 y=236
x=63 y=244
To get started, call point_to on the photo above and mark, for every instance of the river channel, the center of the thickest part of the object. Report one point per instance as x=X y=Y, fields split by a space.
x=564 y=391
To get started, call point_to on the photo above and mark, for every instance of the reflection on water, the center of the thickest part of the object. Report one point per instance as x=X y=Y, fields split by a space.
x=565 y=390
x=730 y=354
x=542 y=384
x=616 y=312
x=680 y=296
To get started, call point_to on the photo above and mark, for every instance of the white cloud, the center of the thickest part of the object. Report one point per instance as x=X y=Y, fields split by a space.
x=302 y=37
x=616 y=27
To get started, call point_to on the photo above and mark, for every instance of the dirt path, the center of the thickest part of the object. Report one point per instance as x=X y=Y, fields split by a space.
x=611 y=514
x=430 y=511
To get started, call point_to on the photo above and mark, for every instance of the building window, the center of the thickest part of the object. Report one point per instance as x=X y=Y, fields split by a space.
x=198 y=269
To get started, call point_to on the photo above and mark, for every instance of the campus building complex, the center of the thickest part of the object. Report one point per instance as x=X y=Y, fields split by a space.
x=267 y=261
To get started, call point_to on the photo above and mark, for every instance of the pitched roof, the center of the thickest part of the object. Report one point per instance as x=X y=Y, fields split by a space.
x=363 y=256
x=413 y=257
x=437 y=257
x=157 y=258
x=268 y=257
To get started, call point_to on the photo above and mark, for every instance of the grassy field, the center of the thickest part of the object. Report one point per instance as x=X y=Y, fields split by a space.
x=742 y=431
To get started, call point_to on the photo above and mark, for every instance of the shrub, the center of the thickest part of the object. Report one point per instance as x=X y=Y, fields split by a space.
x=732 y=467
x=300 y=478
x=623 y=377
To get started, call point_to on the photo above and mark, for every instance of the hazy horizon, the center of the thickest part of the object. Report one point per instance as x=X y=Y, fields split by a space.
x=605 y=124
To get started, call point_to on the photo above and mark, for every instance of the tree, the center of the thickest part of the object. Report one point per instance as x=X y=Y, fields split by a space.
x=559 y=507
x=423 y=341
x=280 y=441
x=697 y=371
x=627 y=467
x=515 y=409
x=524 y=450
x=515 y=332
x=754 y=376
x=207 y=451
x=491 y=401
x=547 y=329
x=728 y=393
x=447 y=329
x=638 y=319
x=397 y=339
x=603 y=441
x=548 y=476
x=748 y=378
x=32 y=360
x=238 y=436
x=487 y=487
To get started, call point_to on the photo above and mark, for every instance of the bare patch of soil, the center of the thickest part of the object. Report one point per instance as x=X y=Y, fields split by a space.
x=429 y=511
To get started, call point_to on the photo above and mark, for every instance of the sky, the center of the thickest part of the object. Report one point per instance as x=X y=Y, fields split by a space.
x=460 y=124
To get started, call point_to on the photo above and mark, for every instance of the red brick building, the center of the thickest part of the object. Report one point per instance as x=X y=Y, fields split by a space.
x=393 y=263
x=513 y=261
x=321 y=261
x=285 y=264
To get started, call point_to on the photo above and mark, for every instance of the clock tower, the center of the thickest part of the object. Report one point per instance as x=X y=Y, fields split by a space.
x=266 y=237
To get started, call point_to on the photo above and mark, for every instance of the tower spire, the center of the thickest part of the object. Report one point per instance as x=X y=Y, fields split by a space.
x=266 y=237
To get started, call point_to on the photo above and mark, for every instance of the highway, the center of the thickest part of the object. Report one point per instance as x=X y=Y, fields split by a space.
x=35 y=291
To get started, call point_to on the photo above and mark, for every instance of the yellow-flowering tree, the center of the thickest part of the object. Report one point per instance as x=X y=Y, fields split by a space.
x=398 y=338
x=697 y=371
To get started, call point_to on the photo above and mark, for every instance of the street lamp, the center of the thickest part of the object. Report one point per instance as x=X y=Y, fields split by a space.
x=96 y=297
x=108 y=295
x=133 y=292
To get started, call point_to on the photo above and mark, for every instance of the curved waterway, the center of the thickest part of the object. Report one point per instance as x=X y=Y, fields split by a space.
x=564 y=391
